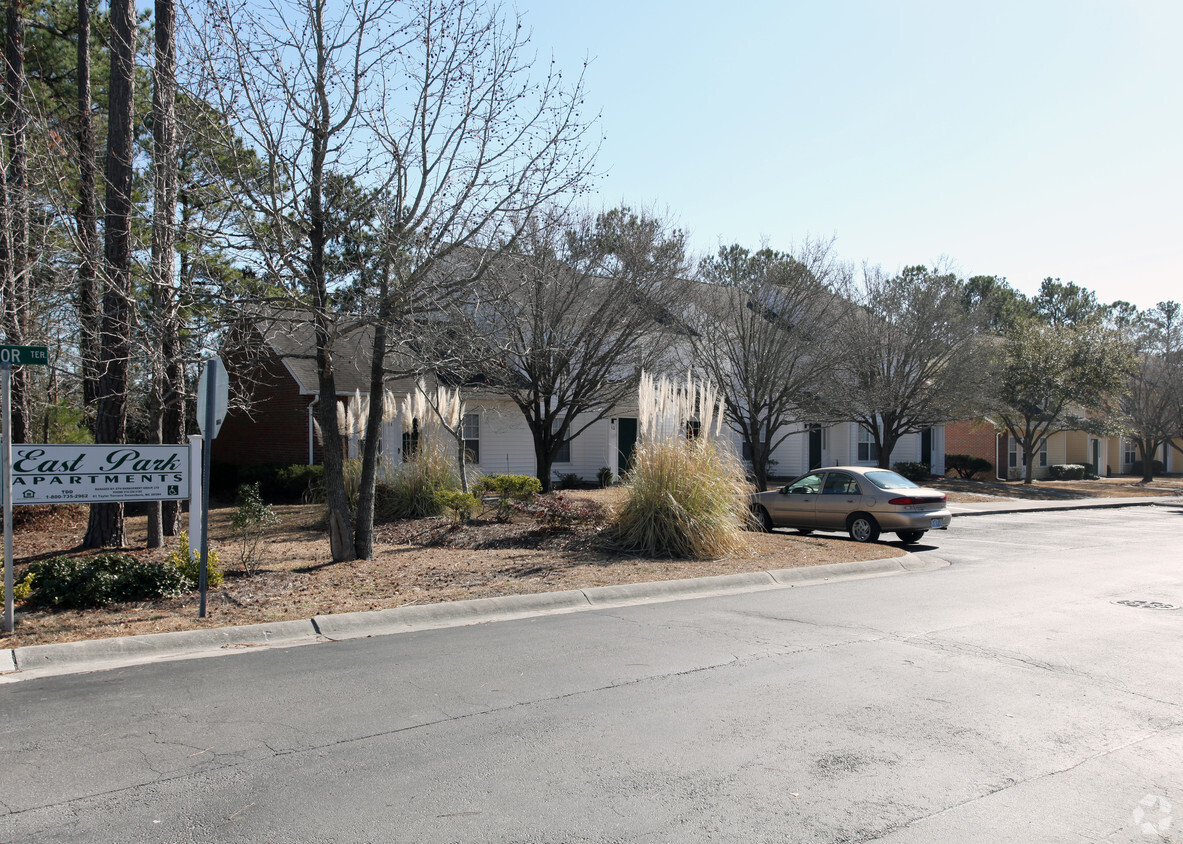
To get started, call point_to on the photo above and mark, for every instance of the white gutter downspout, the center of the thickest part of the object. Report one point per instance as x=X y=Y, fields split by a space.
x=311 y=430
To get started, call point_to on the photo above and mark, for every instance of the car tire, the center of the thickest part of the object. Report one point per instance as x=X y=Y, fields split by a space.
x=909 y=537
x=805 y=531
x=862 y=527
x=763 y=520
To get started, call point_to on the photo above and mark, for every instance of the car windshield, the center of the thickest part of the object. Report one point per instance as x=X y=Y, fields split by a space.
x=890 y=480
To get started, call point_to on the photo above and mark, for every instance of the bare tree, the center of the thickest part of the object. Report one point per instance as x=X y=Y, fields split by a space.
x=431 y=104
x=166 y=400
x=576 y=311
x=1151 y=399
x=763 y=330
x=105 y=528
x=14 y=245
x=86 y=217
x=913 y=355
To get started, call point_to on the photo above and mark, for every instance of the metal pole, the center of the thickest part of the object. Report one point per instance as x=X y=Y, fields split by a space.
x=6 y=480
x=211 y=391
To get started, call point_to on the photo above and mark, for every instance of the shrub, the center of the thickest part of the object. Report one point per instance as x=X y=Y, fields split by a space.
x=1090 y=472
x=561 y=512
x=1156 y=465
x=685 y=498
x=22 y=588
x=1066 y=472
x=604 y=477
x=189 y=563
x=508 y=489
x=458 y=505
x=76 y=583
x=966 y=466
x=294 y=483
x=569 y=480
x=251 y=520
x=913 y=471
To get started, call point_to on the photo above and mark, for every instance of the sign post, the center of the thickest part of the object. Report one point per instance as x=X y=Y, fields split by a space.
x=213 y=395
x=11 y=356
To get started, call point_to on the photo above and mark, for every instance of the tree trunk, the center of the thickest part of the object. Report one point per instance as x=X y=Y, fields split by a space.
x=106 y=520
x=164 y=318
x=1147 y=449
x=363 y=531
x=16 y=303
x=86 y=216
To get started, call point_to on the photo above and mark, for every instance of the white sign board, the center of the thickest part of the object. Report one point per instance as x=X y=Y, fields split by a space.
x=215 y=370
x=54 y=474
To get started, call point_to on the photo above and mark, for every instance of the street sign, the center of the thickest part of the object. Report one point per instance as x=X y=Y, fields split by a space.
x=24 y=355
x=214 y=371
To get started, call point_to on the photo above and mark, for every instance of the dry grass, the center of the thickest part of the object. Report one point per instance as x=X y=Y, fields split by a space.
x=416 y=562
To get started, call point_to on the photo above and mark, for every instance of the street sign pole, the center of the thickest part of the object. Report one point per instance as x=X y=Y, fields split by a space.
x=6 y=488
x=211 y=392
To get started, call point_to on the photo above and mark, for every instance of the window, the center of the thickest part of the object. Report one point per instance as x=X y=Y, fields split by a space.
x=1016 y=458
x=868 y=452
x=471 y=434
x=807 y=485
x=693 y=429
x=1129 y=452
x=838 y=483
x=747 y=451
x=564 y=453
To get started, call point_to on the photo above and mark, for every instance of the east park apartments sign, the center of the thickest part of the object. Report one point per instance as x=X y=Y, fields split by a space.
x=55 y=474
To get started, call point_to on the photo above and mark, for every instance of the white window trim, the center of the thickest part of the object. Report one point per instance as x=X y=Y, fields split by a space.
x=865 y=436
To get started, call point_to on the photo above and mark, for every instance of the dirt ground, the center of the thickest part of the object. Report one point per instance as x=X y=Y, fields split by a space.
x=427 y=561
x=415 y=562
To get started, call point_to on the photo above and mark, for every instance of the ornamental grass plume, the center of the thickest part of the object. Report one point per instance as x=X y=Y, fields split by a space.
x=686 y=494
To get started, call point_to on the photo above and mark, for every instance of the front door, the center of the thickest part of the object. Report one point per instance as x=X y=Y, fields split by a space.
x=926 y=447
x=815 y=446
x=626 y=443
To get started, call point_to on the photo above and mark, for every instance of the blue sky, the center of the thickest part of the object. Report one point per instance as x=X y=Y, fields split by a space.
x=1023 y=139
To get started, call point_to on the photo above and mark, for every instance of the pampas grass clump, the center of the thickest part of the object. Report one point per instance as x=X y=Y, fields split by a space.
x=686 y=496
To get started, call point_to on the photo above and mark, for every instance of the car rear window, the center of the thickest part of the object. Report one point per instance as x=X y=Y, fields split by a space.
x=890 y=480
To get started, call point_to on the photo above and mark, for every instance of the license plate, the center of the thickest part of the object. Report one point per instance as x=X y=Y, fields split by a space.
x=936 y=523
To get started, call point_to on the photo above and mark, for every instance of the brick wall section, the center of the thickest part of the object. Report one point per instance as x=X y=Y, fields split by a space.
x=974 y=438
x=276 y=431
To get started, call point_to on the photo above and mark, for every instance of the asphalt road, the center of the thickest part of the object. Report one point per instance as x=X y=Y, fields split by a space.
x=1009 y=697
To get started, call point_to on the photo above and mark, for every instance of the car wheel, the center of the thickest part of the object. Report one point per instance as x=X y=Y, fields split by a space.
x=763 y=520
x=909 y=537
x=863 y=528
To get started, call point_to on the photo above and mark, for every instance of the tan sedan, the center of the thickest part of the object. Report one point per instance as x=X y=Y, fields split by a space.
x=861 y=500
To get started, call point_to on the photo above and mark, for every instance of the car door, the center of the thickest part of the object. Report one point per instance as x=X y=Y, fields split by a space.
x=795 y=504
x=840 y=496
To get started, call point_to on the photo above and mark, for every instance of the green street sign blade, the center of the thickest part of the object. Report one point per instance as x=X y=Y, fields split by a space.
x=24 y=355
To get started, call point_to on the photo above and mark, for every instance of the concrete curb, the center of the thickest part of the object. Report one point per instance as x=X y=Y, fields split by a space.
x=122 y=650
x=98 y=654
x=1051 y=507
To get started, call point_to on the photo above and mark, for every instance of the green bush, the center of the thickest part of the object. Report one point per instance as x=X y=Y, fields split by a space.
x=604 y=477
x=1066 y=472
x=458 y=505
x=913 y=471
x=569 y=480
x=508 y=489
x=22 y=588
x=189 y=563
x=77 y=583
x=1090 y=472
x=1156 y=465
x=278 y=482
x=966 y=466
x=684 y=498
